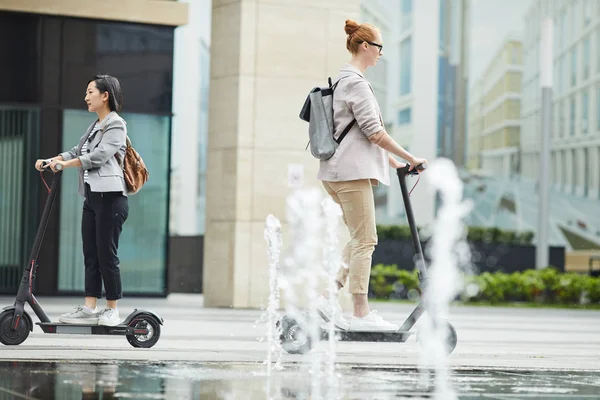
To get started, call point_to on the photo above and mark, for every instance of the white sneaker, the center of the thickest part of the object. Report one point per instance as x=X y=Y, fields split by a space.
x=109 y=317
x=372 y=323
x=337 y=316
x=81 y=315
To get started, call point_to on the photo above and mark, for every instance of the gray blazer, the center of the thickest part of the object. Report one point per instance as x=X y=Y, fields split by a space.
x=105 y=173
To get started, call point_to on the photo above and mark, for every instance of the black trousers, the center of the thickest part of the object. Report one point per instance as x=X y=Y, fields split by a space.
x=101 y=225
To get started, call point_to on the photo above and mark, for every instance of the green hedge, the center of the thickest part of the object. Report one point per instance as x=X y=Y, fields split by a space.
x=547 y=286
x=474 y=234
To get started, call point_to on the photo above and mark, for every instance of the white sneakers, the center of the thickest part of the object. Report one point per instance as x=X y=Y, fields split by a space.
x=336 y=315
x=372 y=323
x=83 y=315
x=369 y=323
x=109 y=317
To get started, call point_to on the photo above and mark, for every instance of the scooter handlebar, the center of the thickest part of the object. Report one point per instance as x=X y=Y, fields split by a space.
x=46 y=165
x=404 y=170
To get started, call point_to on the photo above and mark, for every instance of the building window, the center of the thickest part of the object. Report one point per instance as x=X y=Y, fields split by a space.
x=406 y=15
x=575 y=11
x=20 y=62
x=514 y=55
x=574 y=67
x=598 y=49
x=586 y=58
x=587 y=12
x=563 y=30
x=405 y=66
x=586 y=172
x=561 y=119
x=598 y=108
x=573 y=171
x=405 y=116
x=572 y=117
x=584 y=112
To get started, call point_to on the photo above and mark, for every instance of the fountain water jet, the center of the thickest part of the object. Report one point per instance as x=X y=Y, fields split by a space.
x=449 y=253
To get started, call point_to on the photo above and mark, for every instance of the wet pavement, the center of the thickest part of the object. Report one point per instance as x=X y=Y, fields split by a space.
x=126 y=380
x=207 y=353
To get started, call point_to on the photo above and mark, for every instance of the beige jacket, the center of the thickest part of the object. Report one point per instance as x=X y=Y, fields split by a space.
x=356 y=157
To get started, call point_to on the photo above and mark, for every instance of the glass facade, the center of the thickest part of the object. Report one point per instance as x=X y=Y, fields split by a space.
x=19 y=138
x=45 y=73
x=142 y=248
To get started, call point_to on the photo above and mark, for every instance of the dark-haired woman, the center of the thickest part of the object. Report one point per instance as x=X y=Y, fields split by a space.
x=99 y=156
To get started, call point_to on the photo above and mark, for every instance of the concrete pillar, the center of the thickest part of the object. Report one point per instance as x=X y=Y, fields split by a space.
x=186 y=126
x=266 y=57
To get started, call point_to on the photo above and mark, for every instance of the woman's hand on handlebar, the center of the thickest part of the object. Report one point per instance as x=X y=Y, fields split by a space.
x=59 y=163
x=396 y=164
x=38 y=164
x=416 y=162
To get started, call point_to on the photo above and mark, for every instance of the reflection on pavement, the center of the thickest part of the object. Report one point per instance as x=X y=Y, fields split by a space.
x=123 y=380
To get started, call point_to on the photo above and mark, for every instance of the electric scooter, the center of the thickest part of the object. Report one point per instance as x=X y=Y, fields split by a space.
x=141 y=327
x=294 y=336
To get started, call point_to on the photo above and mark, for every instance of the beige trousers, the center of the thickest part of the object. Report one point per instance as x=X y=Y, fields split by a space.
x=358 y=206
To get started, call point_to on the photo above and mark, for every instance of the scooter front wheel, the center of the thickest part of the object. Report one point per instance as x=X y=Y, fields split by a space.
x=450 y=338
x=10 y=336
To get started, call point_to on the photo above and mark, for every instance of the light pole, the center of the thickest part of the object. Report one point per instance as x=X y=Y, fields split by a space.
x=546 y=64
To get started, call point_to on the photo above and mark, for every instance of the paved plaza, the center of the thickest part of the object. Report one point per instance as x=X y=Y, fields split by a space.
x=543 y=349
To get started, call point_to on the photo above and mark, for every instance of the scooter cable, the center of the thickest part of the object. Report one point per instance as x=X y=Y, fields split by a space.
x=416 y=183
x=43 y=180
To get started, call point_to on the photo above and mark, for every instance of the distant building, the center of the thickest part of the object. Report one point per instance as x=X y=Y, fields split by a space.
x=500 y=102
x=576 y=100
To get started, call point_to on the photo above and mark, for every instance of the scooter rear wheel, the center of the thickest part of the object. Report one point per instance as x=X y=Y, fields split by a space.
x=151 y=338
x=294 y=339
x=10 y=337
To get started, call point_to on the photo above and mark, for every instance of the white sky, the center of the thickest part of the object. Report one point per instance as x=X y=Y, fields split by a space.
x=491 y=22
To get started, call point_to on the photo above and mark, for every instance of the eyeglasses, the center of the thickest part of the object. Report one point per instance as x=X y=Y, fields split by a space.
x=376 y=45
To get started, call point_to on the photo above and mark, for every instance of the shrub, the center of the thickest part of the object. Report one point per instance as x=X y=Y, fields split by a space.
x=542 y=286
x=474 y=234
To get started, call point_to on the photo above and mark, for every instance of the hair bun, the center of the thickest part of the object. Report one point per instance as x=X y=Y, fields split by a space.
x=351 y=26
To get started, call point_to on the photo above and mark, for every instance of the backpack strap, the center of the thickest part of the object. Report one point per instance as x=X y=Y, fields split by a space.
x=345 y=132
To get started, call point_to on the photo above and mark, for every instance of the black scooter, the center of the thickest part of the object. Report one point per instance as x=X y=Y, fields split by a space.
x=295 y=338
x=141 y=327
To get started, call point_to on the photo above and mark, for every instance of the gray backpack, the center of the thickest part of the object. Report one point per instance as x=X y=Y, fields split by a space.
x=318 y=112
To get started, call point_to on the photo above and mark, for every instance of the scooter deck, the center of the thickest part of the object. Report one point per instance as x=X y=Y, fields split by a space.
x=368 y=336
x=72 y=329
